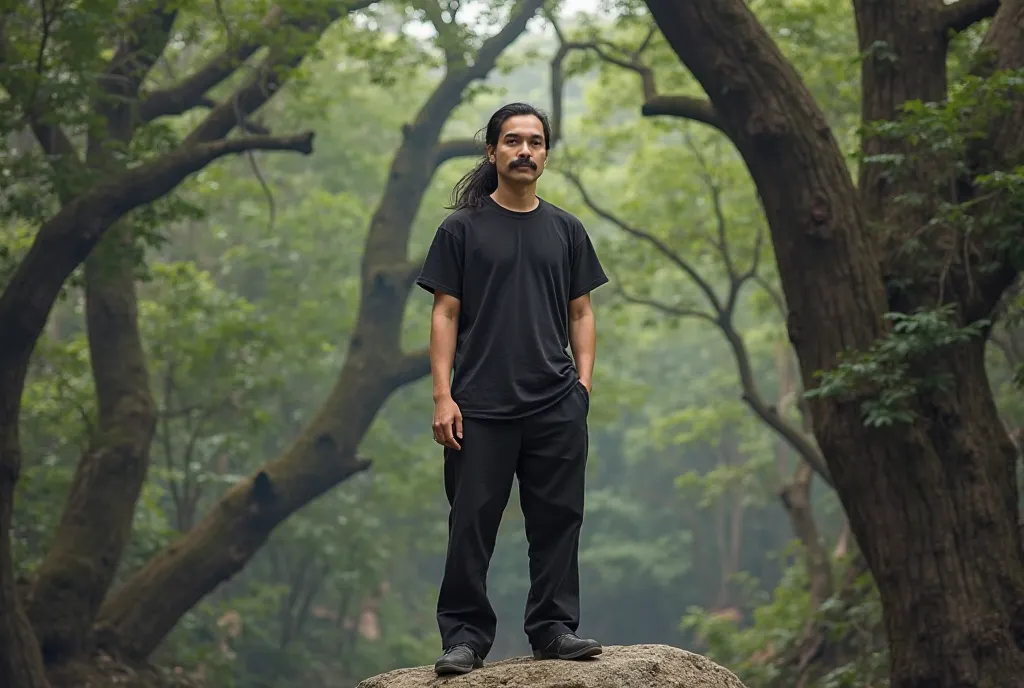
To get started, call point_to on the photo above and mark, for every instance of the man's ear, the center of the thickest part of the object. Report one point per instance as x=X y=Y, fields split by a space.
x=490 y=152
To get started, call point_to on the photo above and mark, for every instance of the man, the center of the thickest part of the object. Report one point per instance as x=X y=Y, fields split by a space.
x=511 y=276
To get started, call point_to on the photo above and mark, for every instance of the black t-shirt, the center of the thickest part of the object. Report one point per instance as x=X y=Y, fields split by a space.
x=514 y=274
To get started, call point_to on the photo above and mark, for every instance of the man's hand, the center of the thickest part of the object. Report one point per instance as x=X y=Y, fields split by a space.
x=447 y=423
x=587 y=383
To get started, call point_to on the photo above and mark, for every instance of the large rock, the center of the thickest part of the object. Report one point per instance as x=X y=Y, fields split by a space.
x=620 y=666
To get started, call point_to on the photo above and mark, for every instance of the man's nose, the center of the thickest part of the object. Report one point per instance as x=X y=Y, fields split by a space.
x=524 y=151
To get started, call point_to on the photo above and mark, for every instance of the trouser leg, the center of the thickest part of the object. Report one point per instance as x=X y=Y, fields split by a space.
x=551 y=471
x=477 y=481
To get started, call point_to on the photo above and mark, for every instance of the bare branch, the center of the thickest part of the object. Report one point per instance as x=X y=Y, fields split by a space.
x=662 y=247
x=723 y=319
x=963 y=14
x=191 y=92
x=795 y=497
x=655 y=104
x=668 y=309
x=773 y=293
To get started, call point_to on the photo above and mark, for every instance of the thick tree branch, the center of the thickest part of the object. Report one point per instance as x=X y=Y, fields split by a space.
x=654 y=103
x=64 y=241
x=686 y=107
x=412 y=366
x=142 y=45
x=192 y=91
x=96 y=522
x=268 y=76
x=963 y=14
x=457 y=148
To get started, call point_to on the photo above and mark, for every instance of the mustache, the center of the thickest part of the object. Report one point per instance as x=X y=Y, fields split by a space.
x=522 y=162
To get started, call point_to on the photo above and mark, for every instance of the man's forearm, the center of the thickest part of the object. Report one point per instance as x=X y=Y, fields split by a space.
x=444 y=331
x=583 y=341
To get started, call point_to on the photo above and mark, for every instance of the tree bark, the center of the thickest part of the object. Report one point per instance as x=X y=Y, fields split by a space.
x=135 y=618
x=96 y=523
x=21 y=662
x=932 y=505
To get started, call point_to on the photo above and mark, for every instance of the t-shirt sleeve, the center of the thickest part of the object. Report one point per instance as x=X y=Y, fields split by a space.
x=442 y=268
x=586 y=271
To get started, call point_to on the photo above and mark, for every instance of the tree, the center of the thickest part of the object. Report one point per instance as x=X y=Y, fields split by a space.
x=69 y=609
x=916 y=448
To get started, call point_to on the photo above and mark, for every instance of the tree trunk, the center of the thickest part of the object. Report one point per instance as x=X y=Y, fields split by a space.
x=932 y=505
x=97 y=519
x=21 y=663
x=135 y=618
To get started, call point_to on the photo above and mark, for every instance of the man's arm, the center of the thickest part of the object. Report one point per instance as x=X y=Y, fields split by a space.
x=444 y=332
x=583 y=338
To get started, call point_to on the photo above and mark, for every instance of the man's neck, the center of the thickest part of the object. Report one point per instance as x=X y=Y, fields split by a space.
x=518 y=198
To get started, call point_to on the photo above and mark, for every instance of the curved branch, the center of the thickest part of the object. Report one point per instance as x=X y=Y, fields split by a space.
x=267 y=77
x=723 y=319
x=64 y=241
x=662 y=247
x=456 y=148
x=655 y=104
x=192 y=91
x=668 y=309
x=686 y=107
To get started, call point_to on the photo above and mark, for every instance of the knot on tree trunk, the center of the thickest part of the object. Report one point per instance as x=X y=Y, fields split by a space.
x=262 y=489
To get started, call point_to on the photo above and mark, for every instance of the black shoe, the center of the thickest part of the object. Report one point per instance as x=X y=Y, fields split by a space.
x=460 y=659
x=569 y=646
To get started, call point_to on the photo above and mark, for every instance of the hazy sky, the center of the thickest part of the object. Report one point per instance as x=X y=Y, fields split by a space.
x=567 y=7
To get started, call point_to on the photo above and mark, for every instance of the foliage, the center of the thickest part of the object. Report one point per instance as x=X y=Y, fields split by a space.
x=886 y=373
x=765 y=652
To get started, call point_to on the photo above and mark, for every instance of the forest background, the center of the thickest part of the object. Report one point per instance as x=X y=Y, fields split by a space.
x=226 y=462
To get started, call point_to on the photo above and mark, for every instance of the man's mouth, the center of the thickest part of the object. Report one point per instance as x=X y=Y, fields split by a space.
x=529 y=164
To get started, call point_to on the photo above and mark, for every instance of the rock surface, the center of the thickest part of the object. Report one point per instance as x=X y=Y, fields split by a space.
x=620 y=666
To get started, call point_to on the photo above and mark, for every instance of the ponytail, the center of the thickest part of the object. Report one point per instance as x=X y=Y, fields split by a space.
x=477 y=185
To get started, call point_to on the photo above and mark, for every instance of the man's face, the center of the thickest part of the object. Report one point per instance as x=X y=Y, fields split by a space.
x=520 y=153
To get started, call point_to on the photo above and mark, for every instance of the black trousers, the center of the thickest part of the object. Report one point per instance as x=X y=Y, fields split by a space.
x=547 y=451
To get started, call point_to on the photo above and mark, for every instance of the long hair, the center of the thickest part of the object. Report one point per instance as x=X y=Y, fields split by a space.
x=478 y=184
